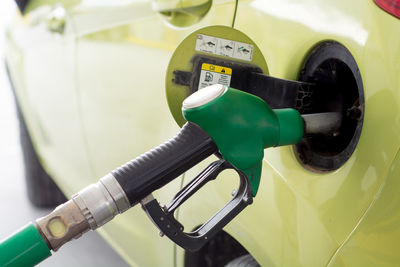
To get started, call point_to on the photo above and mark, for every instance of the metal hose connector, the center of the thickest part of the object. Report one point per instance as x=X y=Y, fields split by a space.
x=90 y=208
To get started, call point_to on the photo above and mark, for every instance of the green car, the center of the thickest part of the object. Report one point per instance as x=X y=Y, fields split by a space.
x=89 y=79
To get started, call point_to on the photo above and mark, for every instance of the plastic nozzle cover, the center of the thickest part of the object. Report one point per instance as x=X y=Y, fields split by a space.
x=26 y=247
x=242 y=125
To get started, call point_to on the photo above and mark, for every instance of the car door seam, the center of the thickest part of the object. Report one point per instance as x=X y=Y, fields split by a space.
x=339 y=248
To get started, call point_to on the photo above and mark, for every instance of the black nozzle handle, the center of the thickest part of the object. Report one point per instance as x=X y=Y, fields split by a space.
x=157 y=167
x=163 y=217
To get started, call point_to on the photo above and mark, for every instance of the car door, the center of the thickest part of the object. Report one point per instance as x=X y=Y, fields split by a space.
x=123 y=48
x=41 y=59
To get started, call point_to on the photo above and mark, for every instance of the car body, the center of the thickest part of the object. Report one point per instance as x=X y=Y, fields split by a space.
x=89 y=78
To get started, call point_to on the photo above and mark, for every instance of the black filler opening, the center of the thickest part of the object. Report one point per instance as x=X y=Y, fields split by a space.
x=339 y=89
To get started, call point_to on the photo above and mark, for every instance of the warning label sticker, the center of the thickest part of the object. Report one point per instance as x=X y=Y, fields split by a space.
x=224 y=47
x=214 y=74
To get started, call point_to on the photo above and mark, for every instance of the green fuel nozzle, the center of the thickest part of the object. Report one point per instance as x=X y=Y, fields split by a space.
x=235 y=125
x=242 y=126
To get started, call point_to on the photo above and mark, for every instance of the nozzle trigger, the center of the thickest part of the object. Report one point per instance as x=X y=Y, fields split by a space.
x=163 y=217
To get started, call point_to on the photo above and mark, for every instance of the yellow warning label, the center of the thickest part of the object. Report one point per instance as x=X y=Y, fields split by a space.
x=215 y=68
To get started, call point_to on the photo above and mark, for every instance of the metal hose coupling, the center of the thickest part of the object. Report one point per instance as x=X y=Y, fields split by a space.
x=90 y=208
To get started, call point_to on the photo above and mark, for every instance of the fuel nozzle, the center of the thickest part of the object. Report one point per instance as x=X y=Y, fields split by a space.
x=242 y=125
x=234 y=125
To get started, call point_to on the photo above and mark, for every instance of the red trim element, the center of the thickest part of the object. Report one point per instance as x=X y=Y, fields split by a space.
x=390 y=6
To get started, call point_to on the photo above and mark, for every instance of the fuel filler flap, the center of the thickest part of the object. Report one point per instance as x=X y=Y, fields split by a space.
x=211 y=55
x=223 y=55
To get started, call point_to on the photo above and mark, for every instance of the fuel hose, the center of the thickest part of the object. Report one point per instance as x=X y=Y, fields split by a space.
x=99 y=203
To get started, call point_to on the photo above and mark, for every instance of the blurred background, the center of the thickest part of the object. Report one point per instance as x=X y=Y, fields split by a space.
x=15 y=208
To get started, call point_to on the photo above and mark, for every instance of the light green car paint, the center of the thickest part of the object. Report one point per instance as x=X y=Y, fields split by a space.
x=182 y=13
x=105 y=79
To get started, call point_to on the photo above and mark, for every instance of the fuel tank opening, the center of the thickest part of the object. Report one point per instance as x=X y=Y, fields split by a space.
x=339 y=89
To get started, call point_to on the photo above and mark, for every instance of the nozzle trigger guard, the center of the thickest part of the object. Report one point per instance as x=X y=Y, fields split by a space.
x=163 y=217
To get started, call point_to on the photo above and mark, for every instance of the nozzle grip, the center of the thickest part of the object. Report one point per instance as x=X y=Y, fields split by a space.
x=157 y=167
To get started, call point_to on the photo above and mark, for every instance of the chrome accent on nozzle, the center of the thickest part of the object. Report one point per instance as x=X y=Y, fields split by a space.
x=90 y=208
x=102 y=201
x=322 y=123
x=62 y=224
x=116 y=192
